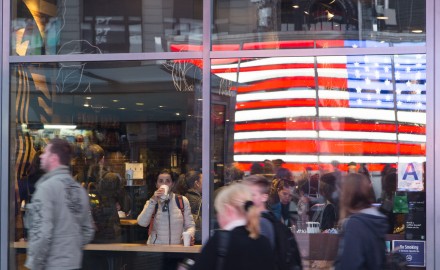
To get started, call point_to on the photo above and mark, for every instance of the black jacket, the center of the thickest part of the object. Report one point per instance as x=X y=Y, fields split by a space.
x=243 y=253
x=362 y=245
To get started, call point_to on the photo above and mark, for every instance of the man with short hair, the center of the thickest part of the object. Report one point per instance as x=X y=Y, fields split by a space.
x=260 y=187
x=58 y=217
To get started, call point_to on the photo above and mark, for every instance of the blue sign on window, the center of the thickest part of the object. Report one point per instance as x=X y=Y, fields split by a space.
x=413 y=251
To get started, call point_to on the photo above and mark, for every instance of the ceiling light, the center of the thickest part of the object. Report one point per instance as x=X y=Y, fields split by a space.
x=417 y=31
x=382 y=18
x=295 y=6
x=115 y=100
x=177 y=113
x=161 y=106
x=88 y=97
x=139 y=103
x=59 y=126
x=86 y=105
x=122 y=108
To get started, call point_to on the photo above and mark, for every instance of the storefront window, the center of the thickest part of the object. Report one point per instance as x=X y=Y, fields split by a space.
x=106 y=26
x=132 y=119
x=308 y=116
x=264 y=24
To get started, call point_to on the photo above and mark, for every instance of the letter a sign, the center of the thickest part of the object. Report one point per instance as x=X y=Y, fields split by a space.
x=410 y=176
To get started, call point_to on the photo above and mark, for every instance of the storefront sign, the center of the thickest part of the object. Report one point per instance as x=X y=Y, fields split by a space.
x=410 y=176
x=413 y=251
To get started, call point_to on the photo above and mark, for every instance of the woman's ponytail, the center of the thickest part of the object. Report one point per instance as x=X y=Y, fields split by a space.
x=253 y=219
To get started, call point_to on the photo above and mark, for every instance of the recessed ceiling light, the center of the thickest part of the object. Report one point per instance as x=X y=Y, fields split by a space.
x=139 y=103
x=161 y=106
x=122 y=108
x=86 y=105
x=177 y=113
x=417 y=31
x=382 y=18
x=88 y=97
x=115 y=100
x=295 y=6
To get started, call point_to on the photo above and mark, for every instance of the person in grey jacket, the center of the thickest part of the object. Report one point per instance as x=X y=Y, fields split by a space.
x=169 y=221
x=58 y=217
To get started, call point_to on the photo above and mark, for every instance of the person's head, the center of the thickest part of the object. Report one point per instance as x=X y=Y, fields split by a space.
x=355 y=194
x=57 y=153
x=283 y=174
x=285 y=191
x=256 y=168
x=260 y=188
x=352 y=167
x=389 y=184
x=94 y=154
x=233 y=203
x=327 y=186
x=165 y=177
x=35 y=166
x=194 y=180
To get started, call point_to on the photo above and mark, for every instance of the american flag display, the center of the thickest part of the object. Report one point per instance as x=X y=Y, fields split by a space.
x=313 y=110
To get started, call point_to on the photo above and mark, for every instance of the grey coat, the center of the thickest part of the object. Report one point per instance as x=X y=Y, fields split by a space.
x=59 y=222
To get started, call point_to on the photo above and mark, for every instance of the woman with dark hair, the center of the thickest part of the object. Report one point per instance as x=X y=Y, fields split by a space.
x=194 y=180
x=362 y=245
x=279 y=200
x=328 y=216
x=239 y=237
x=167 y=214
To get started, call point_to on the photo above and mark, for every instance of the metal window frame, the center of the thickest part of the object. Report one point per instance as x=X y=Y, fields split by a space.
x=433 y=123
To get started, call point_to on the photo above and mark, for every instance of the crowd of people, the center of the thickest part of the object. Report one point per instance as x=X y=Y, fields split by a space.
x=247 y=209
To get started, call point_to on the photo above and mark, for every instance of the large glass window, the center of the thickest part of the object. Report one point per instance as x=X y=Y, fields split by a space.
x=298 y=118
x=281 y=24
x=106 y=26
x=134 y=118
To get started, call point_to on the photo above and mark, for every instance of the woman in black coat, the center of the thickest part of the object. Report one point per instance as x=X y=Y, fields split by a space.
x=243 y=248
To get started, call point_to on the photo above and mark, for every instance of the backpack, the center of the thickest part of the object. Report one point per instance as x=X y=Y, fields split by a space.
x=179 y=202
x=287 y=255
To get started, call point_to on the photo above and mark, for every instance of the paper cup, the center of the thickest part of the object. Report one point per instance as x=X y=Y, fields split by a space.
x=186 y=239
x=165 y=194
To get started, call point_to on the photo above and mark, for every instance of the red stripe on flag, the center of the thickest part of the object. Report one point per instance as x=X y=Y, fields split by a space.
x=326 y=147
x=286 y=125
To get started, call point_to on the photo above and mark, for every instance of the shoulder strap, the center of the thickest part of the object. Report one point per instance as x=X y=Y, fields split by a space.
x=222 y=248
x=179 y=202
x=150 y=227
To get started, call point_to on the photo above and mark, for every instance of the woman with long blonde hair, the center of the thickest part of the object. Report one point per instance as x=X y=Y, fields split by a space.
x=239 y=240
x=362 y=245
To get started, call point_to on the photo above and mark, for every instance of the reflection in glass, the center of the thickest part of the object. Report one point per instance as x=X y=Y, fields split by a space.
x=281 y=24
x=311 y=111
x=126 y=121
x=64 y=27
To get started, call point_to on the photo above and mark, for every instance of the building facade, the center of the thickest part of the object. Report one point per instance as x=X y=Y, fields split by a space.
x=227 y=88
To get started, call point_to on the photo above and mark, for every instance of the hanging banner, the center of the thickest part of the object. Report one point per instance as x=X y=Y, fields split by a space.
x=410 y=176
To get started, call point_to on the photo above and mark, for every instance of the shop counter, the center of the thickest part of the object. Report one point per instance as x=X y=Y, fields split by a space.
x=131 y=247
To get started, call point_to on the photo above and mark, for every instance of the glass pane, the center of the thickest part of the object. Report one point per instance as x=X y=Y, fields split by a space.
x=298 y=118
x=106 y=26
x=264 y=24
x=127 y=120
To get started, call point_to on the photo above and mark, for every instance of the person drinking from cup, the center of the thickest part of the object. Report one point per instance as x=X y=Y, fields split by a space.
x=168 y=215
